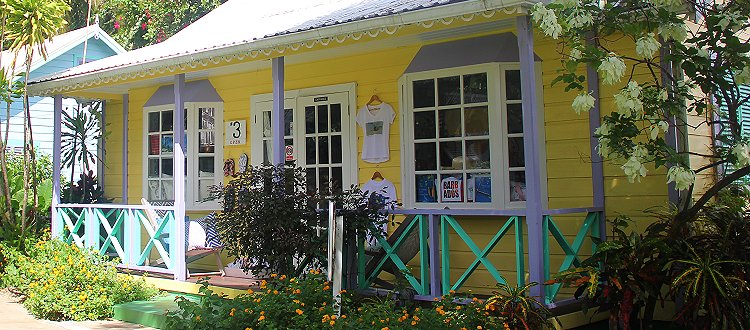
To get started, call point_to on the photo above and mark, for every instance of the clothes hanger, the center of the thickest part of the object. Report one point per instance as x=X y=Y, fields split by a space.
x=377 y=175
x=374 y=99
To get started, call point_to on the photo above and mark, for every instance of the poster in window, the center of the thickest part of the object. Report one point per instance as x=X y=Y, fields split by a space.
x=451 y=190
x=426 y=188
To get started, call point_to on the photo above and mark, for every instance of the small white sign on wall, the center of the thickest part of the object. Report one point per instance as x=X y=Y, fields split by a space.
x=235 y=132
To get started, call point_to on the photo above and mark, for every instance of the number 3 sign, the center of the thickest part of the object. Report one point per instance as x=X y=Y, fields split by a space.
x=235 y=132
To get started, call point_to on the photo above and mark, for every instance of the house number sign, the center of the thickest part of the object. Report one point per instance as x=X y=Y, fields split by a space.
x=235 y=133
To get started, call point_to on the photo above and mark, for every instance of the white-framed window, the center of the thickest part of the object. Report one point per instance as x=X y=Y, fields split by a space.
x=203 y=157
x=463 y=138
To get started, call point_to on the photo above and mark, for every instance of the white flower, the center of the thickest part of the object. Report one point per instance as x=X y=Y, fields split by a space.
x=676 y=32
x=634 y=169
x=742 y=152
x=646 y=46
x=603 y=148
x=602 y=130
x=743 y=77
x=627 y=102
x=580 y=19
x=612 y=69
x=583 y=102
x=575 y=54
x=682 y=177
x=546 y=19
x=640 y=152
x=657 y=128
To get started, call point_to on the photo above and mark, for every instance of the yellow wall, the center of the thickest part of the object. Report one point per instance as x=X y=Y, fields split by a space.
x=567 y=145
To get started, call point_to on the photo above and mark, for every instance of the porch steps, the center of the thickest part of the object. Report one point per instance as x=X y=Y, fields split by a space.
x=150 y=313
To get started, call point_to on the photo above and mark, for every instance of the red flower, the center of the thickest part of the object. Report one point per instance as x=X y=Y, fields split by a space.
x=117 y=25
x=143 y=26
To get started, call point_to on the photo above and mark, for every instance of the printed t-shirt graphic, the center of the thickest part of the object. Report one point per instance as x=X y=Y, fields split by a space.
x=376 y=121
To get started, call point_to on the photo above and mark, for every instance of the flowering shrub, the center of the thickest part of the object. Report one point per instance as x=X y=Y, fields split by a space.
x=62 y=282
x=305 y=303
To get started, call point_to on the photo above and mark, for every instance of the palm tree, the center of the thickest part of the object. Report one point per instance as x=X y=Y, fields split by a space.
x=30 y=24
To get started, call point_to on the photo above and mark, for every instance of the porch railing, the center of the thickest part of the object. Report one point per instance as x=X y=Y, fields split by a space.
x=433 y=277
x=124 y=232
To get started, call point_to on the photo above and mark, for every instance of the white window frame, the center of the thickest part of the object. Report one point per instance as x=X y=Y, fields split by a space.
x=499 y=167
x=350 y=168
x=191 y=188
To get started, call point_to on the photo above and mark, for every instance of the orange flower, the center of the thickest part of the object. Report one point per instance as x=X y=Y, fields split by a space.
x=261 y=318
x=299 y=311
x=332 y=323
x=197 y=317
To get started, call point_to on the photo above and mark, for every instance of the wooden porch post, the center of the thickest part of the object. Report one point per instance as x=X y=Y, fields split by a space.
x=57 y=225
x=532 y=145
x=277 y=115
x=179 y=179
x=125 y=110
x=597 y=164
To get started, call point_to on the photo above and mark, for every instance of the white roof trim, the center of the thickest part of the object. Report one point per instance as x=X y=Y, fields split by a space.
x=279 y=44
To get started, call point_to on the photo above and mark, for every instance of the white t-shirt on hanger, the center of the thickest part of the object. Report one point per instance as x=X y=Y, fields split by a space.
x=383 y=188
x=376 y=121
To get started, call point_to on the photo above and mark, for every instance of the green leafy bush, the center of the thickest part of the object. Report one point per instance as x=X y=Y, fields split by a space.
x=270 y=217
x=11 y=230
x=62 y=282
x=305 y=303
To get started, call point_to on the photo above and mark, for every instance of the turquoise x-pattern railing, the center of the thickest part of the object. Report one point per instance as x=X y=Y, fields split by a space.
x=435 y=241
x=590 y=228
x=124 y=232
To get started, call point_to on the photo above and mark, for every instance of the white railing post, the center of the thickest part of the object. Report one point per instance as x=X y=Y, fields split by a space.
x=132 y=239
x=177 y=237
x=91 y=229
x=57 y=223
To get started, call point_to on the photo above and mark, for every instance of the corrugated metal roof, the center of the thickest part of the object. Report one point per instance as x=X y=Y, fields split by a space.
x=238 y=22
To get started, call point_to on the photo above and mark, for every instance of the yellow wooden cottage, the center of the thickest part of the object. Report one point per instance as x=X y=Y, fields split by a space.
x=484 y=153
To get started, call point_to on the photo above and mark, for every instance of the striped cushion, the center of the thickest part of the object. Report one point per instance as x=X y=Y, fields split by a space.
x=212 y=235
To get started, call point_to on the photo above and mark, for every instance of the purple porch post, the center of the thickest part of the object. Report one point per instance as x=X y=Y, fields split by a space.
x=277 y=115
x=57 y=224
x=179 y=179
x=532 y=148
x=597 y=164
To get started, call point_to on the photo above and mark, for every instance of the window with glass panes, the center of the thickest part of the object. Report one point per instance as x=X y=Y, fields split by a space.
x=202 y=159
x=466 y=137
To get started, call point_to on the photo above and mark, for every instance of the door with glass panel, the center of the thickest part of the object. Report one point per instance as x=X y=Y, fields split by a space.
x=324 y=140
x=261 y=131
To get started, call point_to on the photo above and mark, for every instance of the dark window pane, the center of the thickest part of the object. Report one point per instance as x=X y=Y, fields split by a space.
x=153 y=121
x=475 y=88
x=166 y=167
x=167 y=118
x=477 y=154
x=424 y=125
x=449 y=90
x=515 y=118
x=337 y=178
x=479 y=188
x=451 y=155
x=323 y=150
x=451 y=188
x=424 y=156
x=426 y=188
x=310 y=120
x=424 y=93
x=513 y=85
x=288 y=122
x=336 y=151
x=477 y=121
x=185 y=120
x=311 y=180
x=449 y=122
x=205 y=166
x=335 y=117
x=323 y=178
x=310 y=148
x=153 y=168
x=515 y=152
x=517 y=186
x=322 y=118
